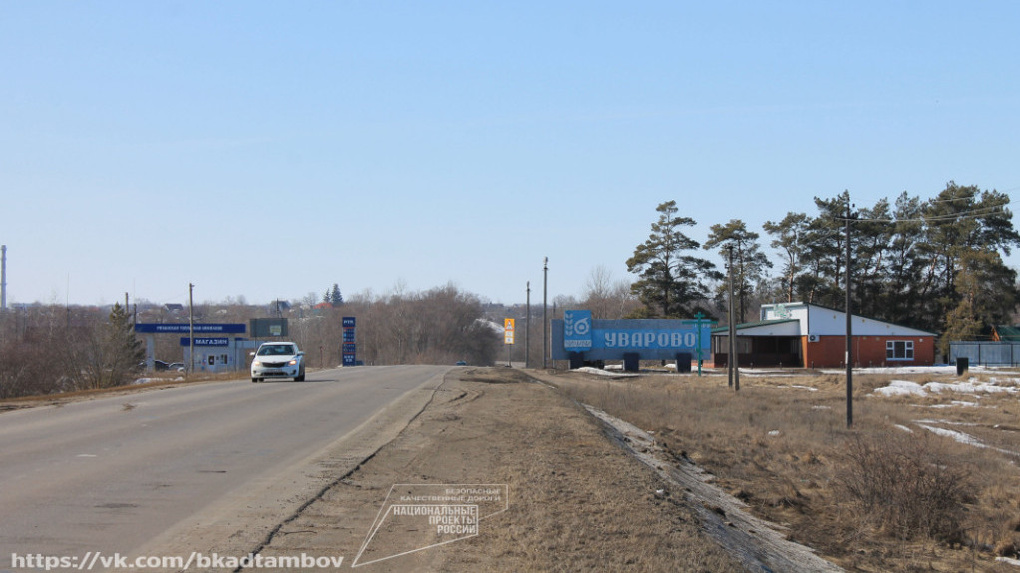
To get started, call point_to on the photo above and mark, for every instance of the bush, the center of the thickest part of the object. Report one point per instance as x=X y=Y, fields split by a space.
x=907 y=484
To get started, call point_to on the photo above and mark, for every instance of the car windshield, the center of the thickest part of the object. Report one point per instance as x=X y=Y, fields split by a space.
x=276 y=350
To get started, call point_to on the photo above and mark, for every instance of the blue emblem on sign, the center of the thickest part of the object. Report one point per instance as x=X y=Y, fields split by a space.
x=577 y=330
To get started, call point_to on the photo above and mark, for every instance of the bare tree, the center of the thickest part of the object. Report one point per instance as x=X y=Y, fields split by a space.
x=108 y=355
x=605 y=297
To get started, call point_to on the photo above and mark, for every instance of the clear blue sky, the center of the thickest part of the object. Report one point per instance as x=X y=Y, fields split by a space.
x=270 y=149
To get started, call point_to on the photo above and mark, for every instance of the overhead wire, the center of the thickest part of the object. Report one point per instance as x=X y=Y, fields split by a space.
x=976 y=213
x=982 y=212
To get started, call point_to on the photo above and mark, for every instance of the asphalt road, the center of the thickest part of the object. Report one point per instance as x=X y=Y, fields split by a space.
x=111 y=474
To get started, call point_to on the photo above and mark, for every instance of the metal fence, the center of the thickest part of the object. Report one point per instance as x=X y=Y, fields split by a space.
x=986 y=353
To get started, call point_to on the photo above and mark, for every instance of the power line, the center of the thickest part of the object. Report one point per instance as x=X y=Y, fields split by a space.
x=935 y=199
x=981 y=212
x=939 y=218
x=818 y=239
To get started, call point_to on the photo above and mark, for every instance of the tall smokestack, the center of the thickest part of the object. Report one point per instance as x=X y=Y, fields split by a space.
x=3 y=278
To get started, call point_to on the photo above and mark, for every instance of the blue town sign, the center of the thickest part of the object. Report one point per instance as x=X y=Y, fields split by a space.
x=610 y=339
x=577 y=335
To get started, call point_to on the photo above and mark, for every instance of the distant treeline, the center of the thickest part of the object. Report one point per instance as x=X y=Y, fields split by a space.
x=50 y=349
x=438 y=326
x=45 y=350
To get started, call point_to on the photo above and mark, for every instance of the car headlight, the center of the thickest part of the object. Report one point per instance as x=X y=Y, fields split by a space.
x=293 y=362
x=256 y=363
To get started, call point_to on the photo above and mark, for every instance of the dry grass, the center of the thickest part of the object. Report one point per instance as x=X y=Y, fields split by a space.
x=155 y=380
x=888 y=494
x=908 y=486
x=577 y=501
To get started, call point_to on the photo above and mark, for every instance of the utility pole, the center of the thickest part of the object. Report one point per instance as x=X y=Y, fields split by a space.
x=3 y=278
x=849 y=328
x=191 y=328
x=734 y=359
x=545 y=321
x=729 y=312
x=527 y=330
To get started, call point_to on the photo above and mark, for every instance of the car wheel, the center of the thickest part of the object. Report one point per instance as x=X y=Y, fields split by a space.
x=254 y=380
x=300 y=377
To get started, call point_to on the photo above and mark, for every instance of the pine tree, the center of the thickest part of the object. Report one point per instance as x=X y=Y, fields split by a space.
x=789 y=235
x=965 y=229
x=671 y=281
x=335 y=298
x=124 y=352
x=749 y=262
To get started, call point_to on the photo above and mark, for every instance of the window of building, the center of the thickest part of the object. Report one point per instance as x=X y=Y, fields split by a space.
x=899 y=350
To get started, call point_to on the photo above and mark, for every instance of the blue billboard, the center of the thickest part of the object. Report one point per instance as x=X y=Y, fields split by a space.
x=610 y=339
x=176 y=328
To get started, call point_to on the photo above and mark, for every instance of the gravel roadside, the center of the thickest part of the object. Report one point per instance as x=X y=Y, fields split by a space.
x=567 y=498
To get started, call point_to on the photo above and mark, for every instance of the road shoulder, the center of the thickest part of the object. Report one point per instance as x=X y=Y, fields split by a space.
x=576 y=500
x=246 y=523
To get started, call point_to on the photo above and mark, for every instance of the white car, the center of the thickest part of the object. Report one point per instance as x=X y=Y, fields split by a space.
x=278 y=360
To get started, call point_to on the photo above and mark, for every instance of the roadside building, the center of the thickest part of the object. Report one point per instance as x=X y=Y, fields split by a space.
x=1006 y=333
x=1000 y=347
x=803 y=335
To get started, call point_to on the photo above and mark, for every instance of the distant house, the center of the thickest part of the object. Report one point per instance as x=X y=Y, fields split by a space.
x=1006 y=333
x=804 y=335
x=173 y=307
x=279 y=306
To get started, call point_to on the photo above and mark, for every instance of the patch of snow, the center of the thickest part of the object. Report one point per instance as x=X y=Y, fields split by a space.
x=799 y=387
x=599 y=372
x=1008 y=561
x=902 y=388
x=964 y=438
x=960 y=403
x=972 y=386
x=494 y=326
x=904 y=428
x=957 y=436
x=941 y=369
x=946 y=422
